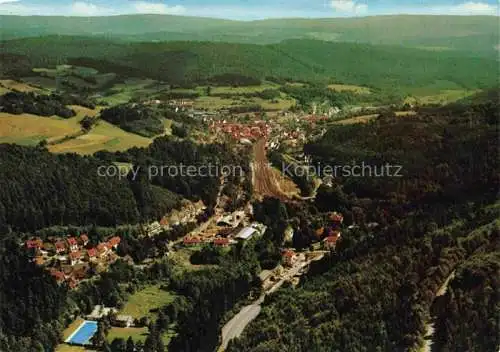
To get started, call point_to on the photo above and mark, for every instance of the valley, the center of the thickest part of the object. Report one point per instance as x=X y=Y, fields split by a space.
x=176 y=183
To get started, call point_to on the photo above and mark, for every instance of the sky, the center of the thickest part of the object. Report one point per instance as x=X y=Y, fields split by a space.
x=249 y=9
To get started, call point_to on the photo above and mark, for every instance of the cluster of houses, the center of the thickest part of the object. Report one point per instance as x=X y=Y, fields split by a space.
x=332 y=233
x=186 y=214
x=68 y=259
x=226 y=238
x=238 y=131
x=330 y=236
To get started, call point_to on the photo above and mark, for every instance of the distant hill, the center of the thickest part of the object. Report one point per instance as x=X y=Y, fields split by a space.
x=376 y=66
x=477 y=34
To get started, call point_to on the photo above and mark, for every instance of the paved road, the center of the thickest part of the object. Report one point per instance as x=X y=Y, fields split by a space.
x=234 y=327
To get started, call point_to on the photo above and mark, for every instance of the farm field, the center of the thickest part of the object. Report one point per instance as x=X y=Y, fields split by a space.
x=27 y=129
x=132 y=88
x=243 y=90
x=104 y=136
x=212 y=103
x=367 y=118
x=349 y=88
x=82 y=111
x=142 y=302
x=8 y=85
x=216 y=103
x=445 y=96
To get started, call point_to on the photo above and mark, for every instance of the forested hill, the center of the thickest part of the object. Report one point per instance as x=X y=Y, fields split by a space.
x=384 y=67
x=40 y=189
x=375 y=293
x=476 y=34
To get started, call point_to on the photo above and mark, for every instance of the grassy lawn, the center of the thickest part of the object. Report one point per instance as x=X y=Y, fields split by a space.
x=67 y=348
x=137 y=334
x=140 y=303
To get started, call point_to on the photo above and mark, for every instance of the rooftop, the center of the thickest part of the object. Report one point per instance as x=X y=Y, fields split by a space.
x=245 y=233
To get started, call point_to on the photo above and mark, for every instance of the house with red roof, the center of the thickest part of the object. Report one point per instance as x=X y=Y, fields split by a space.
x=72 y=244
x=330 y=242
x=289 y=257
x=191 y=241
x=164 y=221
x=35 y=243
x=58 y=275
x=114 y=242
x=39 y=260
x=102 y=249
x=92 y=253
x=60 y=247
x=337 y=218
x=72 y=282
x=221 y=242
x=74 y=257
x=84 y=239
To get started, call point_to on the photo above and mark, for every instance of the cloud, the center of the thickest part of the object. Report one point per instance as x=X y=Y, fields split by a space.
x=348 y=6
x=85 y=9
x=475 y=8
x=158 y=8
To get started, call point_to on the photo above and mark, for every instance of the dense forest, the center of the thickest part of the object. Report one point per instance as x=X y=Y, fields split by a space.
x=375 y=292
x=41 y=189
x=31 y=103
x=468 y=315
x=30 y=304
x=163 y=161
x=135 y=118
x=383 y=67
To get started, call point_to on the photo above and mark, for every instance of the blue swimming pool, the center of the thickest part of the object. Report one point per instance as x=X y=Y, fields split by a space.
x=83 y=334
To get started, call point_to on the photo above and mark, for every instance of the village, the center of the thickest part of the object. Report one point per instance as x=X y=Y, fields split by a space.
x=73 y=259
x=287 y=128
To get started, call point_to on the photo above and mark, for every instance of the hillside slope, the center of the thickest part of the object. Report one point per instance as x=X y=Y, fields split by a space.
x=477 y=34
x=307 y=60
